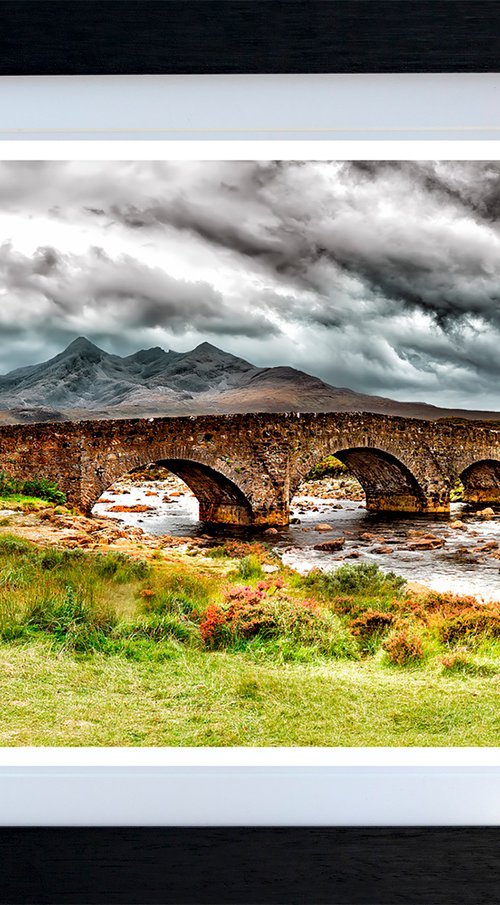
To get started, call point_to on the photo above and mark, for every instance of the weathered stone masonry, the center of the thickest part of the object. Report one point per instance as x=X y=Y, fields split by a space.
x=244 y=469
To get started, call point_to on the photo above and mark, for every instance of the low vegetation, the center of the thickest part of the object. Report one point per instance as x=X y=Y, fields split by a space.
x=330 y=467
x=232 y=649
x=31 y=490
x=457 y=492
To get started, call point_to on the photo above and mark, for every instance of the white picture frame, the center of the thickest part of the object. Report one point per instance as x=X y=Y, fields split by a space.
x=402 y=117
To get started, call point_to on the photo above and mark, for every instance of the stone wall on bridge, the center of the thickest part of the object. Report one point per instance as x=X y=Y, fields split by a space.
x=245 y=469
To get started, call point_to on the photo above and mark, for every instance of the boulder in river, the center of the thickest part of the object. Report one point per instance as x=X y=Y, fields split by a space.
x=486 y=513
x=330 y=546
x=431 y=542
x=137 y=508
x=323 y=526
x=489 y=545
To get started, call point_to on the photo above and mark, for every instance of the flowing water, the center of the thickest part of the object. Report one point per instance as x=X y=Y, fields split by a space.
x=460 y=565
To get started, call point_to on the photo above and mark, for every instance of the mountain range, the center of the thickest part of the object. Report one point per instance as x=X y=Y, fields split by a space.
x=84 y=381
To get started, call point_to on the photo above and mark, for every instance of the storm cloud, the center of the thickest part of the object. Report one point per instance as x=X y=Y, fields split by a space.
x=378 y=275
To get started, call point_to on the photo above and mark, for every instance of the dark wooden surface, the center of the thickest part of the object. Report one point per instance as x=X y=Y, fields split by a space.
x=338 y=866
x=248 y=36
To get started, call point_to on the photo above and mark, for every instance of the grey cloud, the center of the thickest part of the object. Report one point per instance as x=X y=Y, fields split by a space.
x=399 y=227
x=381 y=275
x=45 y=261
x=125 y=293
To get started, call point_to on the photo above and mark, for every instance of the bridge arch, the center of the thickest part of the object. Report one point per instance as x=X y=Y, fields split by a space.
x=481 y=481
x=389 y=484
x=220 y=499
x=222 y=490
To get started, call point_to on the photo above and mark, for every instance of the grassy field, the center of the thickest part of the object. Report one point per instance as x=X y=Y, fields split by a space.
x=232 y=649
x=226 y=699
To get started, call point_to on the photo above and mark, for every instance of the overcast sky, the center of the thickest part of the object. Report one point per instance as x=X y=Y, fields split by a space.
x=382 y=277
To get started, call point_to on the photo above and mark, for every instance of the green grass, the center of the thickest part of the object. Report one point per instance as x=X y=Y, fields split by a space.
x=19 y=501
x=105 y=649
x=195 y=699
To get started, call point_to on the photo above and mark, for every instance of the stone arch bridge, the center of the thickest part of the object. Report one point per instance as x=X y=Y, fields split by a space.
x=245 y=469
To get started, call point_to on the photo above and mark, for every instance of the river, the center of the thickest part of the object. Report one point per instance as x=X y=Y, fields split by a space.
x=459 y=566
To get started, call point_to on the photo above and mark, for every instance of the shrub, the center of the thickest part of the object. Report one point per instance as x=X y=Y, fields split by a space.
x=214 y=627
x=43 y=489
x=35 y=487
x=456 y=661
x=350 y=578
x=370 y=623
x=250 y=567
x=249 y=613
x=404 y=646
x=330 y=467
x=440 y=605
x=470 y=624
x=8 y=484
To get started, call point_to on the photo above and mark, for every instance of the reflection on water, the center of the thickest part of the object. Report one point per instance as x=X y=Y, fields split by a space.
x=460 y=565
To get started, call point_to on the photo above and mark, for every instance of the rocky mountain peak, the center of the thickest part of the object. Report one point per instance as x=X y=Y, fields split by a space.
x=83 y=346
x=85 y=381
x=81 y=342
x=207 y=352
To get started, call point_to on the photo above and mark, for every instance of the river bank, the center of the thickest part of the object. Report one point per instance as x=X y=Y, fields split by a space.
x=329 y=525
x=203 y=644
x=153 y=513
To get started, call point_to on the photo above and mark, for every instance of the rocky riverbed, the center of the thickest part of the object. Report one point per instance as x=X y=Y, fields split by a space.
x=330 y=525
x=158 y=515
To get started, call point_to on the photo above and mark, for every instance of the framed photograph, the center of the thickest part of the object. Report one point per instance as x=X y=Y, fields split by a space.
x=249 y=458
